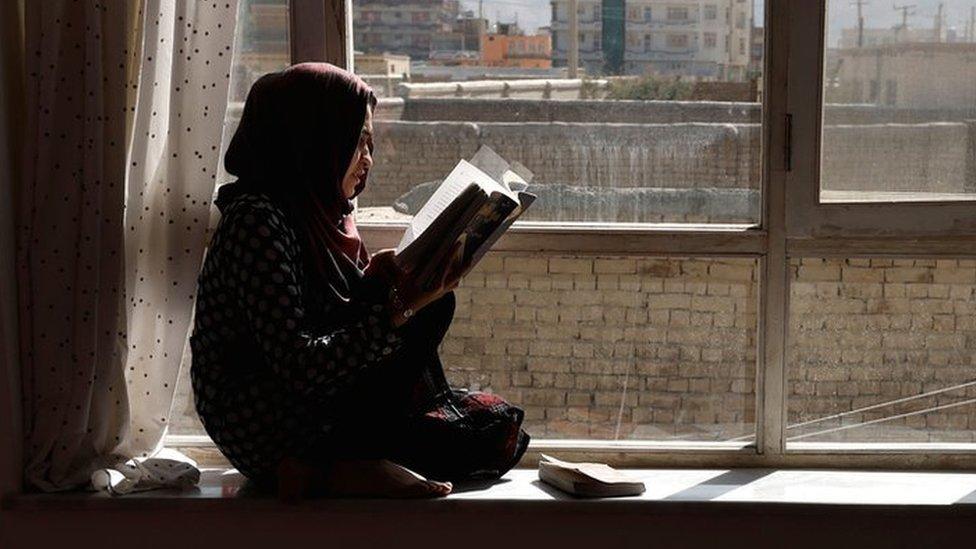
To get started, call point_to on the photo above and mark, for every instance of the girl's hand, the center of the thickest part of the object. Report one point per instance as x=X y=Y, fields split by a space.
x=412 y=296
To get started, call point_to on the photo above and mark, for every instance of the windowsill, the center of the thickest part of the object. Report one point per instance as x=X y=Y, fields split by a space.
x=702 y=489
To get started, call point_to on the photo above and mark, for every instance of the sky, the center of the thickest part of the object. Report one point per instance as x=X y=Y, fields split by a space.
x=532 y=14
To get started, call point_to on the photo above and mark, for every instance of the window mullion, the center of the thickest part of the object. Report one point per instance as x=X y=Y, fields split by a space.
x=321 y=30
x=771 y=371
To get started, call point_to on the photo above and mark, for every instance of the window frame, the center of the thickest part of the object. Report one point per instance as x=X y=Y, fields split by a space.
x=793 y=223
x=810 y=217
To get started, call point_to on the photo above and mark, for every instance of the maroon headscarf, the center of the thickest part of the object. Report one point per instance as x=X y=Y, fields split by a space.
x=298 y=133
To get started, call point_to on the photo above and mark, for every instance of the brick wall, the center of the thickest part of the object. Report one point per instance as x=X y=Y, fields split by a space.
x=605 y=347
x=653 y=348
x=868 y=331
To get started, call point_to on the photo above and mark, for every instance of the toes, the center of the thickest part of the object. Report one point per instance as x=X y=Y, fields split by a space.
x=440 y=488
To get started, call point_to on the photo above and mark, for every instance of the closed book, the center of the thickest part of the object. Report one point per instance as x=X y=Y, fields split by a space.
x=588 y=479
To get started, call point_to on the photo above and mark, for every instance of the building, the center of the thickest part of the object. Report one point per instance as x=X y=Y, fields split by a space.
x=909 y=75
x=403 y=27
x=509 y=47
x=383 y=71
x=263 y=44
x=696 y=38
x=384 y=64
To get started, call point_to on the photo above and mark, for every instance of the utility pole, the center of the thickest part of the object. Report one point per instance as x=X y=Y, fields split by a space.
x=972 y=23
x=938 y=23
x=900 y=31
x=481 y=9
x=860 y=22
x=573 y=71
x=905 y=13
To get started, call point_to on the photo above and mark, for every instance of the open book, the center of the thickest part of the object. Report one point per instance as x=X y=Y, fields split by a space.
x=587 y=479
x=474 y=205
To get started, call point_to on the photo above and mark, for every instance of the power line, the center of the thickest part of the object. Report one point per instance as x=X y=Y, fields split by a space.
x=905 y=13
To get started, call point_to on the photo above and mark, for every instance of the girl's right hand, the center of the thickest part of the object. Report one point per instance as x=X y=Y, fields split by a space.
x=412 y=296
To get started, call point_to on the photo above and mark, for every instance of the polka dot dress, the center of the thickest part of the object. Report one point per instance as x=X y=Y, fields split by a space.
x=272 y=349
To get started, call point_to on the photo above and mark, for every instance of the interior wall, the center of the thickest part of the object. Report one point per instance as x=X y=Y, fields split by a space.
x=11 y=131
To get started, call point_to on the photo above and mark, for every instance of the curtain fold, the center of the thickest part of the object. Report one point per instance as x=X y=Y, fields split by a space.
x=11 y=139
x=126 y=103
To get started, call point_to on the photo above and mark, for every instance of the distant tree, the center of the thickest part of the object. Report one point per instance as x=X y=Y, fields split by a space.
x=649 y=87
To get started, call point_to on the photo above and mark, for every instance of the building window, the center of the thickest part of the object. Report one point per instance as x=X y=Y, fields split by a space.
x=677 y=14
x=648 y=13
x=647 y=42
x=710 y=40
x=742 y=46
x=677 y=40
x=633 y=14
x=711 y=12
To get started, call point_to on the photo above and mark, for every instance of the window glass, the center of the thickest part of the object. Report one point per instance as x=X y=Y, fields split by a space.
x=612 y=347
x=882 y=350
x=650 y=133
x=899 y=103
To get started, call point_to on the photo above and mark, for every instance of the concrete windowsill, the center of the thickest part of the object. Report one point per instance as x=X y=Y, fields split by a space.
x=722 y=490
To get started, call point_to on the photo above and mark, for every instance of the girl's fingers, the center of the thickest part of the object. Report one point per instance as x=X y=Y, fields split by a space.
x=448 y=272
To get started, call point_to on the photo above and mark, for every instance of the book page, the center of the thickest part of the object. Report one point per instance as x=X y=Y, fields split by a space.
x=488 y=161
x=461 y=178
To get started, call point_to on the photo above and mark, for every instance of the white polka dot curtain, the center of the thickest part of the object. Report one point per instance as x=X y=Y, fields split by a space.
x=126 y=103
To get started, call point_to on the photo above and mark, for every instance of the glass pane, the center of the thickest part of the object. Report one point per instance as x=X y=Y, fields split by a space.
x=261 y=46
x=900 y=101
x=663 y=124
x=612 y=347
x=882 y=350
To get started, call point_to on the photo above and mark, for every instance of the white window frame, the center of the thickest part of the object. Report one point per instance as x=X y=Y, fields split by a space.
x=793 y=224
x=810 y=218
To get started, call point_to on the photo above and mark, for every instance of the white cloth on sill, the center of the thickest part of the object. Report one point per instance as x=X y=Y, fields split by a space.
x=167 y=469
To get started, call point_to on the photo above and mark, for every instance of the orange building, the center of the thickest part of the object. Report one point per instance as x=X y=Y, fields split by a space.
x=517 y=50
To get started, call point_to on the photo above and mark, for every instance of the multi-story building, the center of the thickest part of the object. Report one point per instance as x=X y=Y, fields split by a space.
x=708 y=39
x=402 y=26
x=509 y=47
x=464 y=35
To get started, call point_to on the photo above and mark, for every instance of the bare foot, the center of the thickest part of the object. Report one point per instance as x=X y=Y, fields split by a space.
x=380 y=478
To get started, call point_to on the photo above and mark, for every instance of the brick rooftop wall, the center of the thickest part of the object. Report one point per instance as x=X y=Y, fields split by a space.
x=887 y=157
x=867 y=331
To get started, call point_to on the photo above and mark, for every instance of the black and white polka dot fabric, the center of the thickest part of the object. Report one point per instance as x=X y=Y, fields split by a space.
x=273 y=347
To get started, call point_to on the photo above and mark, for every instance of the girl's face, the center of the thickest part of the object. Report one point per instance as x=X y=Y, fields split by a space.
x=362 y=160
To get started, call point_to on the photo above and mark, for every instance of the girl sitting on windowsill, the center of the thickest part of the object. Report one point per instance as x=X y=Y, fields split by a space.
x=315 y=365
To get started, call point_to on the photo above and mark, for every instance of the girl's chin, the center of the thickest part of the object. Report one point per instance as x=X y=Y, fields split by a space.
x=360 y=187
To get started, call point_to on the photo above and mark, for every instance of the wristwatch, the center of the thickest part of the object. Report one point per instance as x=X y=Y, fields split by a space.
x=398 y=306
